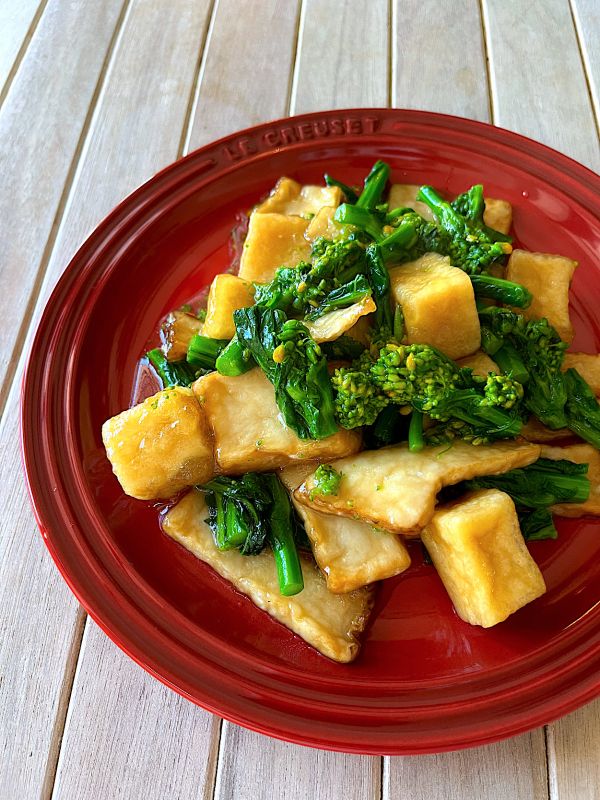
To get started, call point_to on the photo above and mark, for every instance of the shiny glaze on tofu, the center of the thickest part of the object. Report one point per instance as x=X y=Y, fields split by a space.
x=478 y=550
x=332 y=325
x=249 y=432
x=160 y=446
x=273 y=240
x=580 y=454
x=227 y=293
x=396 y=490
x=351 y=553
x=438 y=304
x=291 y=198
x=329 y=622
x=548 y=278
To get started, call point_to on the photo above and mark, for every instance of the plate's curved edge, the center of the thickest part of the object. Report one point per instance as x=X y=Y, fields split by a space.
x=123 y=207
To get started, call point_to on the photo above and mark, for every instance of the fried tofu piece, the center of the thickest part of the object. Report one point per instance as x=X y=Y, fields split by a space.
x=588 y=366
x=273 y=240
x=580 y=454
x=548 y=279
x=535 y=431
x=498 y=214
x=479 y=552
x=323 y=224
x=249 y=433
x=177 y=332
x=396 y=490
x=291 y=198
x=438 y=304
x=329 y=622
x=480 y=363
x=332 y=325
x=160 y=446
x=227 y=293
x=351 y=553
x=403 y=195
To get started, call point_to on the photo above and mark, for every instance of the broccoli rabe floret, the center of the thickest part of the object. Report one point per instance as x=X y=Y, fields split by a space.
x=326 y=481
x=358 y=400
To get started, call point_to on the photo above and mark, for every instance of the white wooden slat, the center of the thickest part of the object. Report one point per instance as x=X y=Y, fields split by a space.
x=129 y=736
x=586 y=14
x=331 y=72
x=537 y=78
x=17 y=23
x=254 y=767
x=573 y=749
x=41 y=122
x=438 y=59
x=245 y=76
x=511 y=770
x=153 y=72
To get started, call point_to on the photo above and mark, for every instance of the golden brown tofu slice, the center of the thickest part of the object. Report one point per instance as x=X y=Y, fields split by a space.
x=332 y=325
x=580 y=454
x=395 y=489
x=588 y=366
x=480 y=363
x=351 y=553
x=329 y=622
x=438 y=304
x=498 y=214
x=535 y=431
x=160 y=446
x=291 y=198
x=323 y=224
x=478 y=550
x=273 y=240
x=249 y=432
x=177 y=332
x=403 y=195
x=548 y=279
x=227 y=293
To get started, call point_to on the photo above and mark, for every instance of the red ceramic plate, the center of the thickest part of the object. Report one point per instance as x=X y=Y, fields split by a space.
x=425 y=681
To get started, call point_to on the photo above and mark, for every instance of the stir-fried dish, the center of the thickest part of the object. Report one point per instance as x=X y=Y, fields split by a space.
x=385 y=366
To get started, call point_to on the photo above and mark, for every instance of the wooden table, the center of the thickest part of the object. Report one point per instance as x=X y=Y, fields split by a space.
x=98 y=96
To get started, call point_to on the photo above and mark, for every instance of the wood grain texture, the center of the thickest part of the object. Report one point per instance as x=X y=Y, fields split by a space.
x=245 y=75
x=129 y=736
x=573 y=749
x=160 y=41
x=330 y=71
x=17 y=23
x=254 y=767
x=438 y=58
x=537 y=77
x=511 y=770
x=41 y=124
x=586 y=14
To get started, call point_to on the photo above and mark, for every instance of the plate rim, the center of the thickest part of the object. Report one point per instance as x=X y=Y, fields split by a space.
x=108 y=230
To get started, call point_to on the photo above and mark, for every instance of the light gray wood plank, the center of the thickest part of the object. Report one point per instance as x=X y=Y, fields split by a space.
x=511 y=770
x=254 y=767
x=17 y=23
x=537 y=78
x=245 y=75
x=331 y=72
x=438 y=58
x=573 y=749
x=586 y=14
x=129 y=736
x=156 y=58
x=41 y=124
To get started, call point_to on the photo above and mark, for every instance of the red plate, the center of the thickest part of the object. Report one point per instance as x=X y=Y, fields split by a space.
x=425 y=681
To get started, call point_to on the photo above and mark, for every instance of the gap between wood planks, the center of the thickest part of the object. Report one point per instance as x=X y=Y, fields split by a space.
x=22 y=50
x=588 y=77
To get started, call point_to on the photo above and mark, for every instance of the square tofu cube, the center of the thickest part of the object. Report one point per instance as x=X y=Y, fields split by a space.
x=402 y=195
x=548 y=279
x=498 y=214
x=227 y=293
x=479 y=552
x=323 y=224
x=160 y=446
x=249 y=433
x=438 y=304
x=289 y=197
x=273 y=240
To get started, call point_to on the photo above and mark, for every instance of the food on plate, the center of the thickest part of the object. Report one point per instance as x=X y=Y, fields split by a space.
x=478 y=550
x=380 y=369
